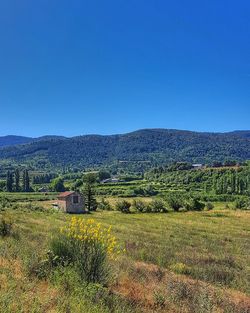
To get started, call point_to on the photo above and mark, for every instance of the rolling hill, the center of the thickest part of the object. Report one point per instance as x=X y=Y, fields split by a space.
x=152 y=146
x=13 y=140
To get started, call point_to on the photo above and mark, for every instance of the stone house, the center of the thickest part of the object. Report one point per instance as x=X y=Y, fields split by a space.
x=71 y=202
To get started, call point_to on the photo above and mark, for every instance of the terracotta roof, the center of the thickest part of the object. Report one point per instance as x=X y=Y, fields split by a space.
x=65 y=194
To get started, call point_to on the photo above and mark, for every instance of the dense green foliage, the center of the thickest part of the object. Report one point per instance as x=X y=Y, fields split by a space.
x=43 y=178
x=137 y=150
x=57 y=184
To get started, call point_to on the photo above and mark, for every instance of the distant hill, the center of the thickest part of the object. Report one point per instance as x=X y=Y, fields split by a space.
x=155 y=146
x=13 y=140
x=241 y=133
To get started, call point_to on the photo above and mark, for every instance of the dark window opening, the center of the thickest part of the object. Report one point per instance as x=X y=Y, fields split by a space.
x=75 y=199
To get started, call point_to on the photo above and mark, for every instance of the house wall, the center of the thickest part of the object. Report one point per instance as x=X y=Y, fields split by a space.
x=74 y=207
x=67 y=205
x=62 y=205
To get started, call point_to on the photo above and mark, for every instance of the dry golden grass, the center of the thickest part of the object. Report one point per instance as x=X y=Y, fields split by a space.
x=140 y=282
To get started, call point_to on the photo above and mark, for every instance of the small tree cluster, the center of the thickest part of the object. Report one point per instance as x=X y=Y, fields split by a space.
x=154 y=206
x=177 y=201
x=242 y=204
x=57 y=185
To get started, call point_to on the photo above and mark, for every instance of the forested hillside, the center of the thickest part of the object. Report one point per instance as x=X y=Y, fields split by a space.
x=149 y=147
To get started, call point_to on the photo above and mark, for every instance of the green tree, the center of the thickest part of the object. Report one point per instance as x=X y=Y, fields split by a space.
x=175 y=201
x=57 y=184
x=9 y=181
x=17 y=180
x=77 y=184
x=103 y=175
x=90 y=202
x=193 y=204
x=158 y=206
x=26 y=181
x=90 y=178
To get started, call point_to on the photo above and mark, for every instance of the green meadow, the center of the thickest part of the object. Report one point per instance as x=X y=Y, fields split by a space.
x=172 y=262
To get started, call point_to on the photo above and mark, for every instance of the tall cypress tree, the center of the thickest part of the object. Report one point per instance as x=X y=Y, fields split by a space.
x=88 y=193
x=9 y=181
x=26 y=181
x=233 y=182
x=17 y=180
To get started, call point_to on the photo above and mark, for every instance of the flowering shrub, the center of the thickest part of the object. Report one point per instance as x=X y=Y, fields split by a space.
x=87 y=245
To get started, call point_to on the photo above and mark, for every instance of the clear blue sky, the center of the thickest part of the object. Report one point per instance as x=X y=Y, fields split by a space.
x=75 y=67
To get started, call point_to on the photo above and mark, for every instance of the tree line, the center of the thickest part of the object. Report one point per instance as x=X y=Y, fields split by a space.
x=18 y=181
x=43 y=179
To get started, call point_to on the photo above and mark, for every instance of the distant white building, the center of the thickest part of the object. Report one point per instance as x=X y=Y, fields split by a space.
x=111 y=180
x=43 y=189
x=197 y=166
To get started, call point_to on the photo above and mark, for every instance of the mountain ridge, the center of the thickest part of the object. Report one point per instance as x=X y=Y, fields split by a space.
x=44 y=137
x=157 y=146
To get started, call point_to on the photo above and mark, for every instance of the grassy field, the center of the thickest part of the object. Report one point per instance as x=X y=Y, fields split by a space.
x=174 y=262
x=24 y=196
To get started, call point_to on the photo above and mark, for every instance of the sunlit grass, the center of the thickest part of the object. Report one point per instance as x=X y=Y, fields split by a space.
x=211 y=246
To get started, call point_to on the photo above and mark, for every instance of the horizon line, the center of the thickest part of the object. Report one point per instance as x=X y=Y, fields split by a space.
x=128 y=132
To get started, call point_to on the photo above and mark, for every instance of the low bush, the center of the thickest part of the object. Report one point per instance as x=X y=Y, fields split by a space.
x=87 y=246
x=209 y=206
x=175 y=201
x=123 y=206
x=179 y=201
x=157 y=206
x=104 y=205
x=139 y=206
x=193 y=204
x=242 y=204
